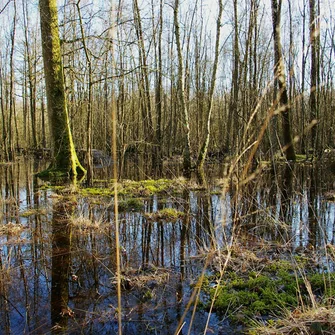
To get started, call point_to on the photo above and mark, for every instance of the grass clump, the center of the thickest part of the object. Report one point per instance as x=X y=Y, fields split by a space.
x=32 y=211
x=149 y=187
x=56 y=188
x=166 y=214
x=95 y=191
x=270 y=293
x=319 y=320
x=135 y=189
x=131 y=205
x=11 y=229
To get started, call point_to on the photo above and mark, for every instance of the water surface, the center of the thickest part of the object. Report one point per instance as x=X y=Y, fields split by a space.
x=58 y=256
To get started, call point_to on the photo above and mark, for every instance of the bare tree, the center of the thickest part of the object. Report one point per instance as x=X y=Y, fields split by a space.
x=31 y=69
x=181 y=90
x=144 y=77
x=280 y=79
x=4 y=146
x=89 y=120
x=233 y=106
x=12 y=121
x=157 y=153
x=163 y=72
x=204 y=148
x=314 y=42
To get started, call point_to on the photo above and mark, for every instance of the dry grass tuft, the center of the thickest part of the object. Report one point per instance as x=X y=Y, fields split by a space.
x=11 y=229
x=314 y=321
x=82 y=224
x=147 y=278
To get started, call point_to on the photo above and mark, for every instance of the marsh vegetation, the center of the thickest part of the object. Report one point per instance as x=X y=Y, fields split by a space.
x=189 y=185
x=215 y=258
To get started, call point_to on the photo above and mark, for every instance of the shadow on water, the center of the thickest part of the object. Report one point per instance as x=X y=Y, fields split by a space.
x=57 y=264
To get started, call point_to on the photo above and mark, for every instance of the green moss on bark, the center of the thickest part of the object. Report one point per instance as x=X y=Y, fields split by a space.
x=65 y=161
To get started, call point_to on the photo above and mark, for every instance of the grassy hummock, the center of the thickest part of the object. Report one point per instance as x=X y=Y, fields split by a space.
x=137 y=189
x=166 y=214
x=260 y=292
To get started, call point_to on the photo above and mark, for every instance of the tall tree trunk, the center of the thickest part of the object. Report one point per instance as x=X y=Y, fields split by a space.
x=3 y=116
x=181 y=91
x=303 y=80
x=157 y=152
x=44 y=138
x=89 y=122
x=12 y=117
x=65 y=160
x=313 y=33
x=144 y=77
x=233 y=106
x=204 y=148
x=31 y=75
x=280 y=79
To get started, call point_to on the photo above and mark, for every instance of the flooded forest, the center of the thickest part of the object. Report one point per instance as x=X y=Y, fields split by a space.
x=167 y=167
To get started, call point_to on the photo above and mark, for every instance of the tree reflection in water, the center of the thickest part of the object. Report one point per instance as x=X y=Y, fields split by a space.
x=60 y=264
x=57 y=254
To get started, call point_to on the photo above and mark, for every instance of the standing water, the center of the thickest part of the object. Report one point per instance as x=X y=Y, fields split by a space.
x=57 y=264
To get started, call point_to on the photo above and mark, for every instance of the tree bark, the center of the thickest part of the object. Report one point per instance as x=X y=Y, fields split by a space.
x=144 y=77
x=157 y=152
x=31 y=69
x=89 y=120
x=280 y=79
x=12 y=113
x=233 y=105
x=65 y=161
x=181 y=90
x=313 y=32
x=303 y=147
x=4 y=146
x=204 y=148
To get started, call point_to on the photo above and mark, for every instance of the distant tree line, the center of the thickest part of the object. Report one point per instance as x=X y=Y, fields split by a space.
x=194 y=78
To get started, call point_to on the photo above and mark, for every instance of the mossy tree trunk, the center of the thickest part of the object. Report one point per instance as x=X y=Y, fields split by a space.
x=65 y=160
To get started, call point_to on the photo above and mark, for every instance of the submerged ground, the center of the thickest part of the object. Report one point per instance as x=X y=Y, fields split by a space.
x=257 y=251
